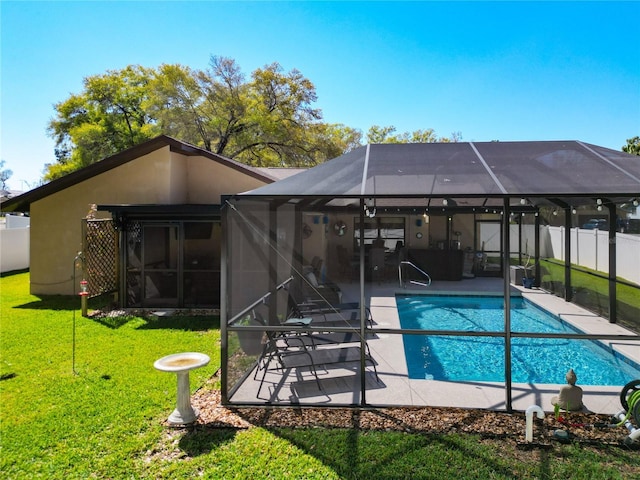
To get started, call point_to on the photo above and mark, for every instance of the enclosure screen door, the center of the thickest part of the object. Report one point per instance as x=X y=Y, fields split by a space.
x=160 y=256
x=173 y=264
x=201 y=264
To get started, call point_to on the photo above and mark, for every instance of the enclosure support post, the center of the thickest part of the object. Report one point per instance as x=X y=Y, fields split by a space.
x=273 y=260
x=520 y=240
x=536 y=237
x=568 y=291
x=506 y=268
x=363 y=311
x=613 y=301
x=121 y=277
x=224 y=286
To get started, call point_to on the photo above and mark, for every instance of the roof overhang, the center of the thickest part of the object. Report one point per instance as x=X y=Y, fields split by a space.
x=181 y=212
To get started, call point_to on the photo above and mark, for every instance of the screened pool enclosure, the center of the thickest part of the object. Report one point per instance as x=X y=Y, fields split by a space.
x=311 y=264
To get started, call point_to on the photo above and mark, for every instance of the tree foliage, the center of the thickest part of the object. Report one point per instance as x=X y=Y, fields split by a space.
x=4 y=175
x=378 y=134
x=106 y=118
x=267 y=119
x=632 y=146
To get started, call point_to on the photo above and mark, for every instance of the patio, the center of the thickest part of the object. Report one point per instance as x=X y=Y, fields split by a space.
x=340 y=383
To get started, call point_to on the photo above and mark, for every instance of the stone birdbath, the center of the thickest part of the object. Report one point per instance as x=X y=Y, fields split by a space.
x=181 y=364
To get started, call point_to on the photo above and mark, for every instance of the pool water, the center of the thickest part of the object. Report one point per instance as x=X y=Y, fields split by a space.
x=534 y=360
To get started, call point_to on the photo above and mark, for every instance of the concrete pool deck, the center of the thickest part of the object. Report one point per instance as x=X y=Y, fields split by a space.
x=394 y=388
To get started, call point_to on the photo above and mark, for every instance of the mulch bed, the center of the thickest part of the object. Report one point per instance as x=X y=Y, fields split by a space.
x=580 y=426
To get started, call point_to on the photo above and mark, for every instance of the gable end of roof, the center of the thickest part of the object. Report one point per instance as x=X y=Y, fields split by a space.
x=22 y=203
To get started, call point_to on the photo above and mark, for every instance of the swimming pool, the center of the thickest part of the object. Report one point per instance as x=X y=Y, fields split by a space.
x=534 y=360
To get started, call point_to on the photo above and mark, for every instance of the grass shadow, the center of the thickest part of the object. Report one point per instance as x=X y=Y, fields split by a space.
x=14 y=272
x=353 y=453
x=202 y=440
x=188 y=323
x=53 y=302
x=113 y=322
x=195 y=323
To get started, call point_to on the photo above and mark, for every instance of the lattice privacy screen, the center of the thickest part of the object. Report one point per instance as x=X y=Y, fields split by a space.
x=100 y=247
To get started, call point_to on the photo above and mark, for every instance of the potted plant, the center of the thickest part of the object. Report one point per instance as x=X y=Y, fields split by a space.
x=527 y=279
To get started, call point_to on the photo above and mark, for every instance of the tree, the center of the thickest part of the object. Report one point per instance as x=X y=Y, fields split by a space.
x=266 y=121
x=632 y=146
x=4 y=175
x=106 y=118
x=196 y=107
x=377 y=134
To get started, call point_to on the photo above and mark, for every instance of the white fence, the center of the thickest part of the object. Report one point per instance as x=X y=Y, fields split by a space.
x=589 y=248
x=14 y=244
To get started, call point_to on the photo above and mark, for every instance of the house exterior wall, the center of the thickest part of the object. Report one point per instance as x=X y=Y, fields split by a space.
x=177 y=188
x=207 y=181
x=161 y=177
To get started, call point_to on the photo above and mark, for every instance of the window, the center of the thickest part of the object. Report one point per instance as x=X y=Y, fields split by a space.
x=389 y=229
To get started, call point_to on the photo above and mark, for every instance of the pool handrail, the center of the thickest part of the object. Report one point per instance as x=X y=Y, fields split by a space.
x=415 y=282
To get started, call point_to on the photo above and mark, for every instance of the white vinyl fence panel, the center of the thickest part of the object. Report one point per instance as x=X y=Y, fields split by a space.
x=14 y=244
x=590 y=248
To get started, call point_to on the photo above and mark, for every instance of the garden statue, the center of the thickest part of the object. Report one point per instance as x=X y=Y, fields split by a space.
x=570 y=396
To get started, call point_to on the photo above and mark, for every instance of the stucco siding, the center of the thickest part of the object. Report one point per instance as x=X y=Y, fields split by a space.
x=161 y=177
x=208 y=180
x=56 y=231
x=177 y=174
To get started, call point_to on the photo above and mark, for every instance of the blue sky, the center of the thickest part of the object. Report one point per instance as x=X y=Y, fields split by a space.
x=492 y=71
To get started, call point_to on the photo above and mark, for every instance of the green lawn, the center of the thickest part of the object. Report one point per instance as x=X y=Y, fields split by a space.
x=591 y=291
x=105 y=421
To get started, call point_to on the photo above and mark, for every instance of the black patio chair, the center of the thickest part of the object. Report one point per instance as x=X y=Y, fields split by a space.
x=298 y=348
x=342 y=314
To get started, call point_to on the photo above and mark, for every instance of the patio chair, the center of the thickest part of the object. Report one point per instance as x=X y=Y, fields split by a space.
x=347 y=266
x=315 y=266
x=396 y=256
x=377 y=263
x=313 y=290
x=297 y=349
x=342 y=314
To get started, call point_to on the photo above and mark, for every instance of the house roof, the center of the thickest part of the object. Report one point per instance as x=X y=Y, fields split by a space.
x=569 y=170
x=22 y=203
x=281 y=172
